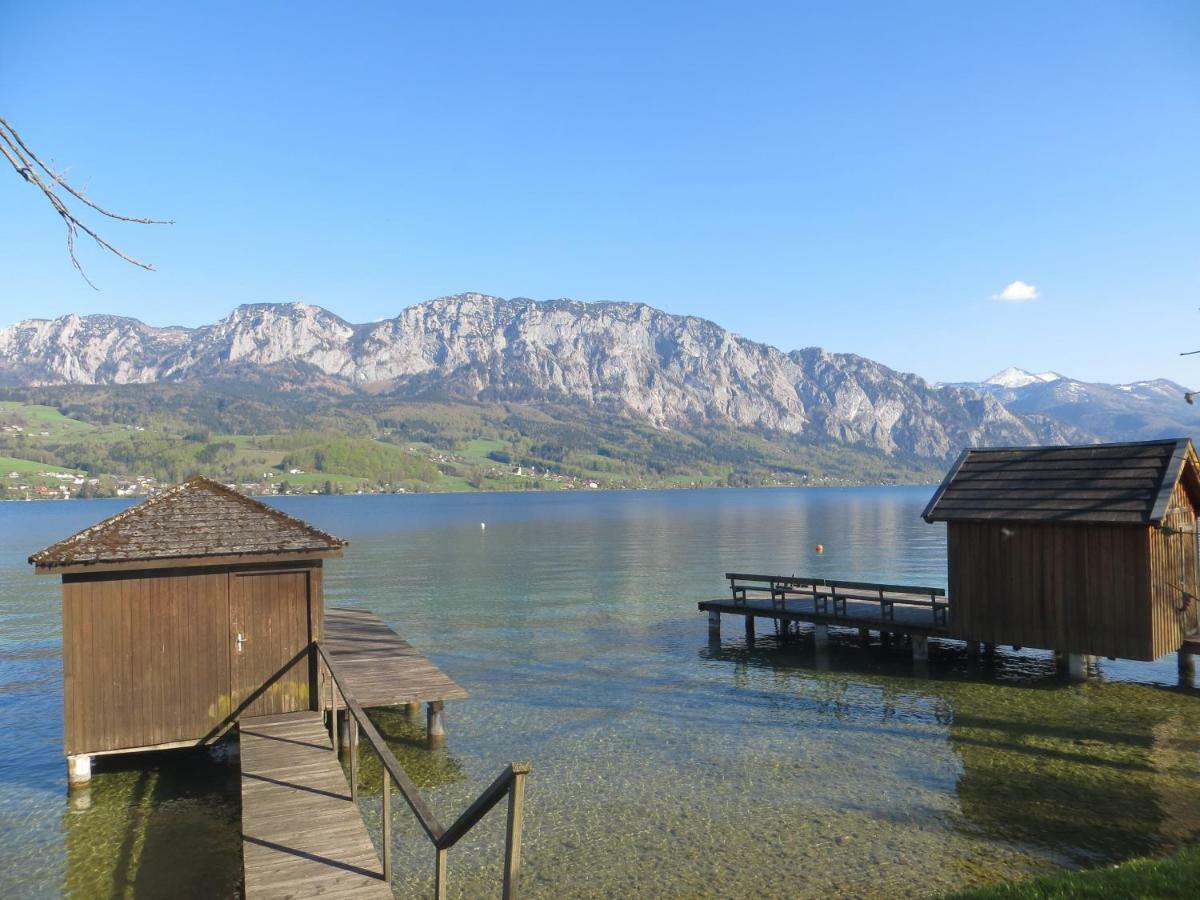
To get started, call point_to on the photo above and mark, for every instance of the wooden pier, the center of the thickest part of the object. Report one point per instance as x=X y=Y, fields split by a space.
x=301 y=835
x=383 y=669
x=913 y=612
x=916 y=612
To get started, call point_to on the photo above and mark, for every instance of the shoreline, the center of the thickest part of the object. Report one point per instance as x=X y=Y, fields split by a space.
x=603 y=490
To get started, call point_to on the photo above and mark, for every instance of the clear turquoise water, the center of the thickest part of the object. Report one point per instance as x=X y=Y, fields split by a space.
x=663 y=766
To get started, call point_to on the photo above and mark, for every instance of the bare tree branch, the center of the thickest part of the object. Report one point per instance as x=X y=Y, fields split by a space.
x=27 y=165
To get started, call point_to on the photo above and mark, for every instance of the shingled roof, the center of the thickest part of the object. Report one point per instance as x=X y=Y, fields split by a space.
x=1111 y=484
x=199 y=518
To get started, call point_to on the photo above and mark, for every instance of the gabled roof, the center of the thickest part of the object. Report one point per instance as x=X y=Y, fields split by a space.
x=199 y=518
x=1109 y=484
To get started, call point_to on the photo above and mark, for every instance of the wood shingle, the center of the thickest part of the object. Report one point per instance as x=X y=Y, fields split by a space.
x=198 y=519
x=1104 y=484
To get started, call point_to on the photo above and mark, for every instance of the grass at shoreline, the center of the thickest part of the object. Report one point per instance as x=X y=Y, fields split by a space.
x=1172 y=877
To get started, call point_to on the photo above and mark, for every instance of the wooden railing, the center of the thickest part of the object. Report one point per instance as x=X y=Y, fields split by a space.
x=822 y=591
x=510 y=782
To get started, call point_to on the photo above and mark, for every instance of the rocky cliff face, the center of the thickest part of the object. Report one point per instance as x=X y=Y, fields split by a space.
x=672 y=371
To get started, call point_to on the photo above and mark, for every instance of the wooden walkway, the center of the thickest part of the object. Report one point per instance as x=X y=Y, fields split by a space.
x=301 y=835
x=915 y=620
x=382 y=669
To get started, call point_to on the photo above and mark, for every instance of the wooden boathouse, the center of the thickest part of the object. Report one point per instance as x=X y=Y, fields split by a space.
x=182 y=614
x=201 y=609
x=1087 y=550
x=1084 y=550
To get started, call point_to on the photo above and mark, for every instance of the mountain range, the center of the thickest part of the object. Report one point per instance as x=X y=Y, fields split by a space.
x=624 y=360
x=1141 y=410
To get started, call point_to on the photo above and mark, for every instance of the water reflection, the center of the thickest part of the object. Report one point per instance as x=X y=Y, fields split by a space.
x=427 y=766
x=162 y=825
x=662 y=766
x=1078 y=774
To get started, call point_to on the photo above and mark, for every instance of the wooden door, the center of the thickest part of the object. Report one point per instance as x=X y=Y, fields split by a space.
x=145 y=659
x=269 y=651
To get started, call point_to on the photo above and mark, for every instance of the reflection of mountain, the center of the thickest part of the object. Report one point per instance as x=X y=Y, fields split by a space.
x=159 y=825
x=1095 y=780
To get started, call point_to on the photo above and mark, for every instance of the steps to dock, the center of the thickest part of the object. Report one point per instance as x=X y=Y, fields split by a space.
x=301 y=835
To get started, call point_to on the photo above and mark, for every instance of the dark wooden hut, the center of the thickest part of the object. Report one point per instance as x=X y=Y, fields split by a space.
x=182 y=614
x=1085 y=550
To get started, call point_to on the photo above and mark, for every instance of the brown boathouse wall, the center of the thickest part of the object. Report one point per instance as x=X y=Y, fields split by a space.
x=151 y=656
x=1105 y=590
x=1175 y=585
x=1072 y=588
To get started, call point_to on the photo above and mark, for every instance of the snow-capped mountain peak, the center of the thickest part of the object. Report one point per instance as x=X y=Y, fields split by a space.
x=1012 y=377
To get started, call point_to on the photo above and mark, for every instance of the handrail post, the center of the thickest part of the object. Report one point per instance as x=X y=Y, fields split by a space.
x=510 y=781
x=329 y=684
x=353 y=756
x=387 y=826
x=512 y=840
x=333 y=722
x=439 y=875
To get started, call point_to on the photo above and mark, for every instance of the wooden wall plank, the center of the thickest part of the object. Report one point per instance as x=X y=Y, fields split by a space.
x=1059 y=587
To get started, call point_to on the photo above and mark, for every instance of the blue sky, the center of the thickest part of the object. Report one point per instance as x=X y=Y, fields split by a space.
x=863 y=177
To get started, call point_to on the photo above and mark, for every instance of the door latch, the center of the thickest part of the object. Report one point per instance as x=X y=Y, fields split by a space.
x=241 y=639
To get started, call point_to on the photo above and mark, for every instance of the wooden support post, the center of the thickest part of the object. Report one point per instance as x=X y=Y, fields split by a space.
x=1187 y=668
x=413 y=709
x=714 y=624
x=79 y=770
x=749 y=629
x=344 y=728
x=435 y=723
x=920 y=648
x=512 y=840
x=973 y=649
x=821 y=636
x=989 y=649
x=439 y=875
x=1187 y=663
x=353 y=744
x=1076 y=666
x=864 y=636
x=387 y=825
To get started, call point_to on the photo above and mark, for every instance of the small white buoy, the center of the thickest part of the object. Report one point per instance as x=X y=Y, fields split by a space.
x=482 y=525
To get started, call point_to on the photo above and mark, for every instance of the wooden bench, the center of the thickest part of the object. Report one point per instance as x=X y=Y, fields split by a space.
x=825 y=592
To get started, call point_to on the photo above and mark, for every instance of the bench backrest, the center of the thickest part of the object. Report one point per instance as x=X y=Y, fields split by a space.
x=737 y=580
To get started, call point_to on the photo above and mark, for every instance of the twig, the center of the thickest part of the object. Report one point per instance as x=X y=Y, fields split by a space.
x=26 y=163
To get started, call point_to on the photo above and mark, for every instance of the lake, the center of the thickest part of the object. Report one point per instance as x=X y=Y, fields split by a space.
x=662 y=765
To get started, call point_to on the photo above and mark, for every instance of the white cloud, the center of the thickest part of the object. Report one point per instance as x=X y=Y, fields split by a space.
x=1018 y=292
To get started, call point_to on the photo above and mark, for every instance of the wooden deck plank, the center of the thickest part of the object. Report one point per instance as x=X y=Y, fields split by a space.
x=382 y=669
x=301 y=835
x=916 y=620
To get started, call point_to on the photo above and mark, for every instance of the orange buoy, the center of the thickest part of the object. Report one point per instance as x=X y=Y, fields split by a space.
x=820 y=548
